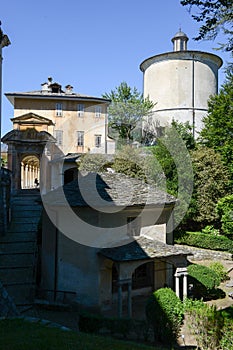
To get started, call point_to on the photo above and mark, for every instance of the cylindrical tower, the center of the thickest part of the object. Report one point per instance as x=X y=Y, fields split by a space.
x=180 y=83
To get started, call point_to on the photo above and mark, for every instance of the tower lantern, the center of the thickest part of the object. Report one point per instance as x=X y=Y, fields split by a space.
x=180 y=41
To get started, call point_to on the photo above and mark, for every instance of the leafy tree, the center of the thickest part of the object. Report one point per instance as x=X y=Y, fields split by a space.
x=139 y=163
x=171 y=151
x=218 y=124
x=215 y=16
x=126 y=112
x=211 y=182
x=225 y=211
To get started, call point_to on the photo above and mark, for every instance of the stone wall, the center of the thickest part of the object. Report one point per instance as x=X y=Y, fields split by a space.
x=206 y=254
x=5 y=191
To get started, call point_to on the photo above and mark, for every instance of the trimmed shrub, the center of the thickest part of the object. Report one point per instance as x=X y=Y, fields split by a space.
x=204 y=275
x=205 y=241
x=164 y=311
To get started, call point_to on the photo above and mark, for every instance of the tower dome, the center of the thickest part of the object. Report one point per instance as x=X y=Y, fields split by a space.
x=180 y=40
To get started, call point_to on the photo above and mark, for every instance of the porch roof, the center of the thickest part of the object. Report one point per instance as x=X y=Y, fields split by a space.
x=143 y=248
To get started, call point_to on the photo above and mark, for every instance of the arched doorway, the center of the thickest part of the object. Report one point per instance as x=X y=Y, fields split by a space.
x=30 y=172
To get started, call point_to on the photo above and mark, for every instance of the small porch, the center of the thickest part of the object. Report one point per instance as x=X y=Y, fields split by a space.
x=169 y=270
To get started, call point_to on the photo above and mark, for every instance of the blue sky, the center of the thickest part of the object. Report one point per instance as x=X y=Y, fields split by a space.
x=92 y=45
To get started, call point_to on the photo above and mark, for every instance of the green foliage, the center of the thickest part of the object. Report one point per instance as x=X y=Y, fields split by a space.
x=218 y=124
x=211 y=182
x=205 y=323
x=215 y=16
x=209 y=229
x=164 y=311
x=127 y=110
x=220 y=270
x=93 y=162
x=139 y=163
x=171 y=151
x=204 y=275
x=205 y=241
x=226 y=342
x=225 y=211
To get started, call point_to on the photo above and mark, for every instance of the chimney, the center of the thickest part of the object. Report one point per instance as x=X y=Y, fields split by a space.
x=45 y=88
x=69 y=89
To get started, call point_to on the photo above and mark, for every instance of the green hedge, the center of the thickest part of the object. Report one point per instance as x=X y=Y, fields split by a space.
x=164 y=311
x=206 y=276
x=206 y=241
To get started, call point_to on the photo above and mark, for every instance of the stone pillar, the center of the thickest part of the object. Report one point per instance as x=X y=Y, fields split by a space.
x=26 y=176
x=22 y=175
x=119 y=299
x=177 y=285
x=130 y=299
x=185 y=285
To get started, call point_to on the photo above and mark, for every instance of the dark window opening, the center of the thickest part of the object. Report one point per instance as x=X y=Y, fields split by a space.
x=143 y=276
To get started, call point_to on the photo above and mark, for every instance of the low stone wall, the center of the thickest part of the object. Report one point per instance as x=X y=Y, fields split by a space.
x=206 y=254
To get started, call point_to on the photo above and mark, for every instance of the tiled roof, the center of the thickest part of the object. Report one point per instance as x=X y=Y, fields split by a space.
x=143 y=248
x=108 y=189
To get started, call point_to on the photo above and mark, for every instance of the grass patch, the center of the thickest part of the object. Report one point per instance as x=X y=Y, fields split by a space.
x=18 y=334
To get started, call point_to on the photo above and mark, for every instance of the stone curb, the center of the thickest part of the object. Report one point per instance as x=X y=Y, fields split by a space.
x=40 y=321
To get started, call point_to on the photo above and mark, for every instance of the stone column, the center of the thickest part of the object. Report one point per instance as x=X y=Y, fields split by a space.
x=185 y=285
x=177 y=284
x=130 y=299
x=22 y=175
x=26 y=176
x=119 y=299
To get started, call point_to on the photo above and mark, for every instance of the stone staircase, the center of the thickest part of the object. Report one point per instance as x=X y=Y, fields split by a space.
x=18 y=249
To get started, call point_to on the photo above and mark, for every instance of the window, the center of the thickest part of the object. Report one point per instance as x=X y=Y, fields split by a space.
x=98 y=111
x=133 y=226
x=80 y=110
x=97 y=140
x=59 y=109
x=59 y=137
x=80 y=138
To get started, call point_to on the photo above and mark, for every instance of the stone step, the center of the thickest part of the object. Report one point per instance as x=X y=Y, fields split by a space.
x=30 y=213
x=21 y=227
x=18 y=237
x=17 y=274
x=17 y=259
x=24 y=205
x=26 y=219
x=17 y=247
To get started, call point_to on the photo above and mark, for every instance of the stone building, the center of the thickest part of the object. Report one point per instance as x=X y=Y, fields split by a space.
x=180 y=83
x=106 y=239
x=57 y=122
